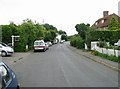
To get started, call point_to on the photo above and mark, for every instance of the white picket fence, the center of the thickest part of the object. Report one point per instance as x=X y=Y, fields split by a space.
x=104 y=50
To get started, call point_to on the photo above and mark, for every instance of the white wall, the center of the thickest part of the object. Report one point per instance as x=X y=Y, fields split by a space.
x=104 y=50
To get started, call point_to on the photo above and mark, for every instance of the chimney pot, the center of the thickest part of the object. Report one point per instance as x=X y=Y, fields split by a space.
x=105 y=13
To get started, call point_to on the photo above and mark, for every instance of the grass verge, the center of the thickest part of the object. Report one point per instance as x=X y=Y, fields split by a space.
x=105 y=56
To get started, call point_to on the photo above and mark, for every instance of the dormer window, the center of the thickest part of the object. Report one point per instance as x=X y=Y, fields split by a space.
x=102 y=21
x=96 y=23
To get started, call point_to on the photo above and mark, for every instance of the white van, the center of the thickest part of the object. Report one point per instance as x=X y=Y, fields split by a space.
x=5 y=50
x=39 y=45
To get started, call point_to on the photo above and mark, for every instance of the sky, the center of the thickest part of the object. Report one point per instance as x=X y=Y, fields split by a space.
x=63 y=14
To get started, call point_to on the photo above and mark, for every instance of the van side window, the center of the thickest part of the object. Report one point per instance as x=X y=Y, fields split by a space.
x=5 y=76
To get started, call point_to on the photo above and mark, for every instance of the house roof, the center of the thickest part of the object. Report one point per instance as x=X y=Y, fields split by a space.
x=106 y=21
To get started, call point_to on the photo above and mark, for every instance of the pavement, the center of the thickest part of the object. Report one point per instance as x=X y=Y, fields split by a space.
x=105 y=62
x=16 y=57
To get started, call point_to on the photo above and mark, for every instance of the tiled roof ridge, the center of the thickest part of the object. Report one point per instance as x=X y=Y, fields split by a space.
x=107 y=17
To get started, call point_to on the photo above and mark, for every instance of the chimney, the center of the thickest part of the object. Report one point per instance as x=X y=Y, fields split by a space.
x=105 y=13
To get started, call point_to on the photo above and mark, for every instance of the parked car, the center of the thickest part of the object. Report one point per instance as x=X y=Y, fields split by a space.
x=39 y=45
x=8 y=79
x=62 y=41
x=47 y=45
x=5 y=50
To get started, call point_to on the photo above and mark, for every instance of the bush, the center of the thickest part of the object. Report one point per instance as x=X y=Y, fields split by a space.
x=102 y=44
x=76 y=41
x=107 y=35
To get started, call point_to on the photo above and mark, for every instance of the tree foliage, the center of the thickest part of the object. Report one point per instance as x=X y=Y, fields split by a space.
x=28 y=32
x=77 y=41
x=114 y=24
x=48 y=27
x=64 y=37
x=82 y=29
x=107 y=35
x=61 y=32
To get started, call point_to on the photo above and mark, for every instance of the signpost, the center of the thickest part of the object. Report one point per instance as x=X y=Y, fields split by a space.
x=14 y=38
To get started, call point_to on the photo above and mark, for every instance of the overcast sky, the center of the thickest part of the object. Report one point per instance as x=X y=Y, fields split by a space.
x=63 y=14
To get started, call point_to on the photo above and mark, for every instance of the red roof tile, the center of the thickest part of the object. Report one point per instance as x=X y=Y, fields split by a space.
x=106 y=21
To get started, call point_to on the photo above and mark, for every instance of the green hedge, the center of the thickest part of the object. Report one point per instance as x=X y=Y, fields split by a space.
x=106 y=35
x=76 y=41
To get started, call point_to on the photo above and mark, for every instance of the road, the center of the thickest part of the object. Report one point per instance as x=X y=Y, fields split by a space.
x=61 y=67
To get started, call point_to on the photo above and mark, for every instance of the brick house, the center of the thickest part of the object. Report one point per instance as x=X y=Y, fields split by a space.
x=102 y=23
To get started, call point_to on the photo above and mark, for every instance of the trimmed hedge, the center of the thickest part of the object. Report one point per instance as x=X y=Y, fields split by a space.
x=106 y=35
x=76 y=41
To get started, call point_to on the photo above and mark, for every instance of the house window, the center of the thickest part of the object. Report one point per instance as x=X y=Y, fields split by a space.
x=96 y=23
x=102 y=21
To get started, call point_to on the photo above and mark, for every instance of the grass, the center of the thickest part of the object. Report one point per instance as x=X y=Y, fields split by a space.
x=105 y=56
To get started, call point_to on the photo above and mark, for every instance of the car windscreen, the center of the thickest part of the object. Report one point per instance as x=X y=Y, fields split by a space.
x=3 y=44
x=38 y=43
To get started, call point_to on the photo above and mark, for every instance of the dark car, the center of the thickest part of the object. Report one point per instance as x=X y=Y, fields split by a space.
x=8 y=78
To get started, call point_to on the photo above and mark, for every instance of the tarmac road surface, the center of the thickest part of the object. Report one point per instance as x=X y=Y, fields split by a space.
x=61 y=67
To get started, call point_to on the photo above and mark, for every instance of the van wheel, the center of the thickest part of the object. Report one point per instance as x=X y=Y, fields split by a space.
x=3 y=54
x=18 y=87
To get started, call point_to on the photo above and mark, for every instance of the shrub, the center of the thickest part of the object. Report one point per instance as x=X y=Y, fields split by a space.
x=107 y=35
x=102 y=44
x=76 y=41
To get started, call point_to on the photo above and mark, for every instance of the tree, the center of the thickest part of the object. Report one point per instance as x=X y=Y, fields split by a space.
x=61 y=32
x=28 y=32
x=53 y=34
x=49 y=27
x=82 y=29
x=40 y=31
x=48 y=36
x=64 y=37
x=114 y=24
x=6 y=34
